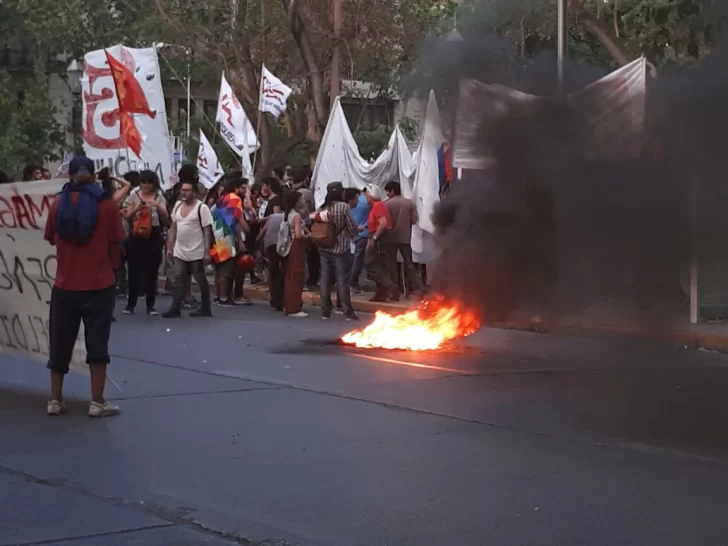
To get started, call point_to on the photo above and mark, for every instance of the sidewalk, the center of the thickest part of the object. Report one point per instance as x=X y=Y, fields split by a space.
x=593 y=322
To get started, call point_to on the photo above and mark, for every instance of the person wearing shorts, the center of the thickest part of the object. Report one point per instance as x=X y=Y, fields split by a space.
x=84 y=292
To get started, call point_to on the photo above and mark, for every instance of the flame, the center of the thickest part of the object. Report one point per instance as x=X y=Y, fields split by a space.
x=426 y=328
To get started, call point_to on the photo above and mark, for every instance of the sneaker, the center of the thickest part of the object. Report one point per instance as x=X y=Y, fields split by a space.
x=243 y=301
x=325 y=315
x=128 y=310
x=107 y=409
x=300 y=314
x=356 y=291
x=152 y=312
x=351 y=318
x=55 y=407
x=339 y=311
x=226 y=303
x=216 y=301
x=201 y=313
x=171 y=314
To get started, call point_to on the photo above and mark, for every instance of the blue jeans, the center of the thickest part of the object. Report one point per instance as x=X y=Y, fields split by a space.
x=335 y=266
x=357 y=265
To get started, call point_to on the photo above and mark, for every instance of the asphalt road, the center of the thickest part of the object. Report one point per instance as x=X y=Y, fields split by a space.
x=252 y=426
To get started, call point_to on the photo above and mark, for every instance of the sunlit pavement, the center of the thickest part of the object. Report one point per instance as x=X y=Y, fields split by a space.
x=254 y=426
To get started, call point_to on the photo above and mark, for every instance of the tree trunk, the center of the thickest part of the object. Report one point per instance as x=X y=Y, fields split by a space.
x=601 y=31
x=336 y=59
x=305 y=47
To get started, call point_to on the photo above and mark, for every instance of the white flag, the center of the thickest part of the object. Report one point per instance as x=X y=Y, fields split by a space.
x=273 y=94
x=234 y=124
x=208 y=165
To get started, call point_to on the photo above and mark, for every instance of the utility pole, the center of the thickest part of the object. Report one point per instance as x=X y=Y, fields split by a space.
x=561 y=43
x=336 y=57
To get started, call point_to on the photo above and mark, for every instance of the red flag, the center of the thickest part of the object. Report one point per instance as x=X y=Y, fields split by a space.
x=131 y=134
x=132 y=99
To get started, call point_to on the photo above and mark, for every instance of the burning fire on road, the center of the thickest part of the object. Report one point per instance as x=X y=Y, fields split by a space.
x=427 y=328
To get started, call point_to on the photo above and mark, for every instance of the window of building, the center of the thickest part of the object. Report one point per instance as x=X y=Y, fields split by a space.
x=368 y=113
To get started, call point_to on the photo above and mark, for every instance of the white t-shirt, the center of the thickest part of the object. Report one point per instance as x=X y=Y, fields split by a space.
x=190 y=243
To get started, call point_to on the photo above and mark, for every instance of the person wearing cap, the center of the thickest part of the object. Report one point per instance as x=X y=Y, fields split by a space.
x=84 y=288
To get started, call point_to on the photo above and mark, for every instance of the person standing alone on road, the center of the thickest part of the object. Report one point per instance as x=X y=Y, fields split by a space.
x=399 y=240
x=84 y=226
x=188 y=244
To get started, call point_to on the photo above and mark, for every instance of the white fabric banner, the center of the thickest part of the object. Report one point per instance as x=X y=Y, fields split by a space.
x=273 y=94
x=102 y=139
x=208 y=165
x=426 y=185
x=614 y=107
x=418 y=175
x=28 y=270
x=235 y=127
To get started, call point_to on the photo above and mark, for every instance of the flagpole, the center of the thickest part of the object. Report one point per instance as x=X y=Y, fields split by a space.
x=257 y=129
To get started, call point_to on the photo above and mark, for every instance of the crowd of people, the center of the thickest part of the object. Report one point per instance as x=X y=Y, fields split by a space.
x=266 y=231
x=113 y=234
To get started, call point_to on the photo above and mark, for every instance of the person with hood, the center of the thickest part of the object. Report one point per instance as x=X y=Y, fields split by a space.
x=84 y=226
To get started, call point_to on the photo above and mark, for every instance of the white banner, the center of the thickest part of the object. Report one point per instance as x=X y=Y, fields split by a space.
x=613 y=107
x=273 y=94
x=208 y=165
x=28 y=270
x=235 y=127
x=102 y=139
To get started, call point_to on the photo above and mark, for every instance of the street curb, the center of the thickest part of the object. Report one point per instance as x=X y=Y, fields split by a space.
x=567 y=327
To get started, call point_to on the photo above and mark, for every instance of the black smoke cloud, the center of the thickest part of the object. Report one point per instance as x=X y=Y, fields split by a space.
x=548 y=230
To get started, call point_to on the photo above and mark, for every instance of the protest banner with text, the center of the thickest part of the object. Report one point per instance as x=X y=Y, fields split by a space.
x=28 y=270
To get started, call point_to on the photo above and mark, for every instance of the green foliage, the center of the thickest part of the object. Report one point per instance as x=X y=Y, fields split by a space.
x=372 y=141
x=409 y=127
x=57 y=31
x=30 y=131
x=662 y=30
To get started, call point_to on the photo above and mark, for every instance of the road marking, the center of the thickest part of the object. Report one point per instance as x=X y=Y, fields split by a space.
x=407 y=363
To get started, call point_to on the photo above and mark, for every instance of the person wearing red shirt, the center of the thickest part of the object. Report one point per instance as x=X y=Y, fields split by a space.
x=375 y=255
x=84 y=290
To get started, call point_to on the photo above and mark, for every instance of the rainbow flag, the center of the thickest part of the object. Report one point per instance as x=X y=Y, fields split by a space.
x=228 y=213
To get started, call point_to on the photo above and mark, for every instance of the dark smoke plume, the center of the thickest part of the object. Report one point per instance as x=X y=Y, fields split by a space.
x=548 y=229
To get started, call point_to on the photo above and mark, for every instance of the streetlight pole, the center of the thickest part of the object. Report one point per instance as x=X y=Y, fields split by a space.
x=561 y=42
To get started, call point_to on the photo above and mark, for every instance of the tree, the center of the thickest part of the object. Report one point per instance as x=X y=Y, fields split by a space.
x=31 y=132
x=56 y=32
x=296 y=39
x=604 y=33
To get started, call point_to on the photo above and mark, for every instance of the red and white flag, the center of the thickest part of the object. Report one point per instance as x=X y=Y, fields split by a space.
x=208 y=165
x=235 y=127
x=273 y=94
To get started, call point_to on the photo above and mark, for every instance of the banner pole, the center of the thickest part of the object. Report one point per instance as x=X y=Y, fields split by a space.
x=257 y=140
